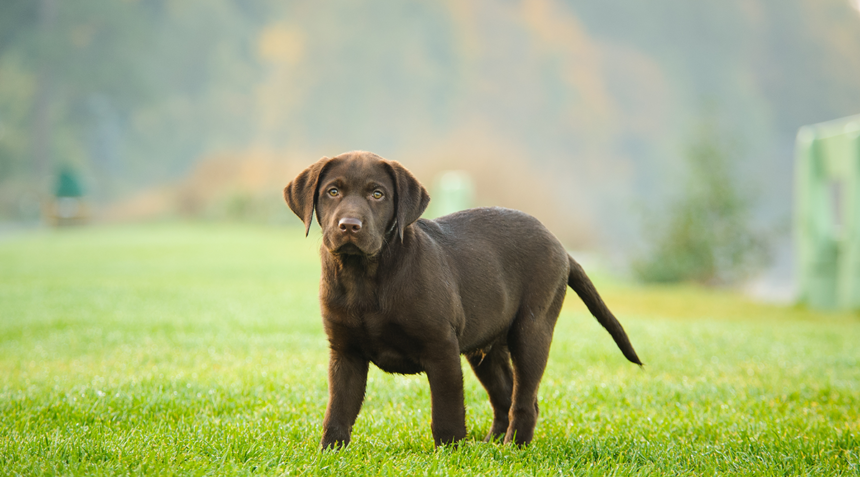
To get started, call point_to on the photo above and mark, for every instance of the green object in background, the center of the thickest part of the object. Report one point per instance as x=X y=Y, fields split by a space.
x=68 y=184
x=68 y=206
x=827 y=213
x=453 y=191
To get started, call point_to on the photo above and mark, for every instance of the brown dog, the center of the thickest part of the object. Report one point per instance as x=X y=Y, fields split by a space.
x=411 y=295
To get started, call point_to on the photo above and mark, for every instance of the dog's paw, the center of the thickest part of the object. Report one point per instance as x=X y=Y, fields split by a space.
x=333 y=443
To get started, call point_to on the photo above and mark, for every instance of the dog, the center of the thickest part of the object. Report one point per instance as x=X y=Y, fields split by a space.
x=411 y=295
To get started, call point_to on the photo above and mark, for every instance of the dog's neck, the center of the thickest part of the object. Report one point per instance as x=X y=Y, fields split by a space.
x=351 y=281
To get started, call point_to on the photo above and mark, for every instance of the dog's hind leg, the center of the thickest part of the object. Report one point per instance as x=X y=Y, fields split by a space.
x=529 y=341
x=493 y=369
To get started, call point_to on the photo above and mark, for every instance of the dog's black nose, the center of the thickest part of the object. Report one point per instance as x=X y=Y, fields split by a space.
x=349 y=223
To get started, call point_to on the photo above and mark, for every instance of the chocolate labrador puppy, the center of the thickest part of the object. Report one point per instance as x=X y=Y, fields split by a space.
x=411 y=295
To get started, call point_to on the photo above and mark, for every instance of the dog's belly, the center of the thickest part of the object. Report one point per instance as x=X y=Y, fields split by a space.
x=392 y=347
x=392 y=361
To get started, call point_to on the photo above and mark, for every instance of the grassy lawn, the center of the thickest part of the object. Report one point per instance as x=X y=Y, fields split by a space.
x=198 y=349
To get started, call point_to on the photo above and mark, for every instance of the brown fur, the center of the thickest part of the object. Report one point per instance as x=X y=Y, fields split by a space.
x=411 y=295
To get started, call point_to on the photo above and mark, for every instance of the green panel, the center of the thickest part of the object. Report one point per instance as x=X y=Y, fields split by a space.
x=827 y=214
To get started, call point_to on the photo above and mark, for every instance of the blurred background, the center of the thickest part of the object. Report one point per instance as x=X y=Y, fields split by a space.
x=660 y=134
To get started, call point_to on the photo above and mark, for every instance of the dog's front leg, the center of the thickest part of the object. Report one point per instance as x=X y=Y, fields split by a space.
x=347 y=379
x=446 y=394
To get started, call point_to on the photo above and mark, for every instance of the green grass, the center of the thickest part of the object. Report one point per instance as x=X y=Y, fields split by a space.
x=198 y=349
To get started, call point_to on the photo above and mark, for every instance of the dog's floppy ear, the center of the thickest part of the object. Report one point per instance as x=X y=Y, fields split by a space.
x=412 y=197
x=301 y=193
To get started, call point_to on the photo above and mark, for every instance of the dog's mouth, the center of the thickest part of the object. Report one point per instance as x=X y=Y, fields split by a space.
x=351 y=249
x=348 y=248
x=340 y=245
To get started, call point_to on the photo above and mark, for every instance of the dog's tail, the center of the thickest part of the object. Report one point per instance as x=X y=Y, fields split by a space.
x=583 y=287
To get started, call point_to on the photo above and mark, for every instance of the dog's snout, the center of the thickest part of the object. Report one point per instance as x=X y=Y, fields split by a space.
x=349 y=224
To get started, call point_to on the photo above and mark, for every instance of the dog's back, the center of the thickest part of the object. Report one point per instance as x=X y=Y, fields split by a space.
x=505 y=264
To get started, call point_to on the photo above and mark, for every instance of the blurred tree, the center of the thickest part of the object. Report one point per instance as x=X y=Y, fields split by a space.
x=16 y=16
x=706 y=234
x=773 y=66
x=16 y=90
x=58 y=55
x=593 y=93
x=128 y=92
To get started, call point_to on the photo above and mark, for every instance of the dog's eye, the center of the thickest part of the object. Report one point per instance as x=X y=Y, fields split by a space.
x=377 y=194
x=333 y=192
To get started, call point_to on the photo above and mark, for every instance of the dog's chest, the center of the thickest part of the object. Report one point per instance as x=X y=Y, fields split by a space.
x=392 y=347
x=357 y=323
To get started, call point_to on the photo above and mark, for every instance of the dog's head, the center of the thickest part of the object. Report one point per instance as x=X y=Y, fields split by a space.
x=360 y=200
